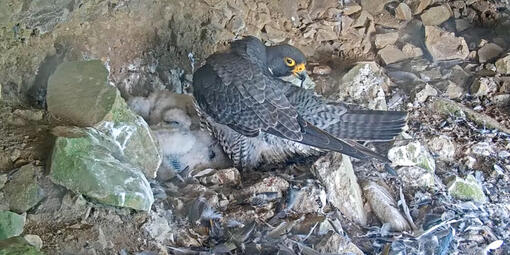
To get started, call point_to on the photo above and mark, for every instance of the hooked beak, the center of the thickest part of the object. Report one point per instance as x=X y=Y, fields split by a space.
x=300 y=71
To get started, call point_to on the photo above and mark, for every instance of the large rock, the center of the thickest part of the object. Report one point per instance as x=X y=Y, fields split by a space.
x=488 y=52
x=23 y=192
x=364 y=85
x=79 y=93
x=503 y=65
x=94 y=164
x=11 y=224
x=466 y=189
x=444 y=45
x=436 y=15
x=412 y=154
x=343 y=191
x=18 y=246
x=448 y=107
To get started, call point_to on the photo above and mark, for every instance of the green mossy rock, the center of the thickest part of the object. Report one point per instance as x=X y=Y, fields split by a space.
x=11 y=224
x=23 y=192
x=95 y=165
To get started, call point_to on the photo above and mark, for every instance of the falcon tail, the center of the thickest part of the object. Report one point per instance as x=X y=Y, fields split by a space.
x=368 y=125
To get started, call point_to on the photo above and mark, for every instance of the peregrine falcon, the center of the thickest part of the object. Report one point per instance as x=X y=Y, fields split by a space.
x=259 y=119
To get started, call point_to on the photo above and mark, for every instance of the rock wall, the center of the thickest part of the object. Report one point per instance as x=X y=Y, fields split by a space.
x=141 y=41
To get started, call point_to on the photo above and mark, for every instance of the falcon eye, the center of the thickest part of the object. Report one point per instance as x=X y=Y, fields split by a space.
x=290 y=61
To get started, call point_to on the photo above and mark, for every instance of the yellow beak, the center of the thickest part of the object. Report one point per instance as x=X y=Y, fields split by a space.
x=300 y=71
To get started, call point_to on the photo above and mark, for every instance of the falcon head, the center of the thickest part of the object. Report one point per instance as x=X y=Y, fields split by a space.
x=284 y=60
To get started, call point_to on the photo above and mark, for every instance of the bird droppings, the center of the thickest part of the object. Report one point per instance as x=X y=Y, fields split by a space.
x=458 y=48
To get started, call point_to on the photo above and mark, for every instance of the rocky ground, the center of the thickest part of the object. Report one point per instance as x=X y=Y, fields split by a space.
x=102 y=152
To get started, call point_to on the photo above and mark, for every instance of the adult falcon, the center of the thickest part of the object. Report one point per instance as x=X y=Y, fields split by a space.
x=260 y=119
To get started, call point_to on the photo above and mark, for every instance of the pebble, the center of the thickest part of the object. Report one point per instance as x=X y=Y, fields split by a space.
x=34 y=240
x=412 y=51
x=382 y=40
x=403 y=12
x=428 y=91
x=322 y=70
x=436 y=15
x=391 y=54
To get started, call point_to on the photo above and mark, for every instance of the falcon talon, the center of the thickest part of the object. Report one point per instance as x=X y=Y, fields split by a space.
x=260 y=119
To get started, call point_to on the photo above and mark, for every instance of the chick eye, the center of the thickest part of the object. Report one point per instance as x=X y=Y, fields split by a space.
x=290 y=61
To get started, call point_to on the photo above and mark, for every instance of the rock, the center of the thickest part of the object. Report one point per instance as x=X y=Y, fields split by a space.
x=333 y=243
x=391 y=54
x=412 y=51
x=236 y=24
x=351 y=8
x=34 y=240
x=423 y=4
x=414 y=176
x=343 y=191
x=454 y=91
x=11 y=224
x=449 y=107
x=428 y=91
x=500 y=100
x=309 y=199
x=484 y=86
x=3 y=180
x=268 y=184
x=23 y=191
x=412 y=154
x=326 y=34
x=31 y=115
x=18 y=246
x=321 y=70
x=274 y=34
x=79 y=93
x=483 y=149
x=229 y=176
x=363 y=19
x=382 y=40
x=374 y=6
x=364 y=85
x=443 y=146
x=444 y=45
x=5 y=162
x=94 y=165
x=503 y=65
x=489 y=52
x=403 y=12
x=466 y=189
x=384 y=206
x=319 y=7
x=158 y=227
x=436 y=15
